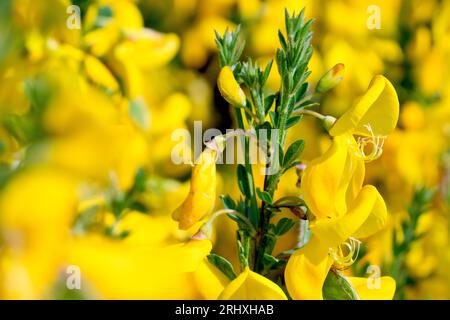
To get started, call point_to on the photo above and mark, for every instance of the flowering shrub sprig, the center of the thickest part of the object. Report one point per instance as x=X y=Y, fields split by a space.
x=333 y=201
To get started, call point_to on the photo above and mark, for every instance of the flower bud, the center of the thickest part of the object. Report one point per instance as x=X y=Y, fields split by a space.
x=229 y=88
x=202 y=195
x=331 y=79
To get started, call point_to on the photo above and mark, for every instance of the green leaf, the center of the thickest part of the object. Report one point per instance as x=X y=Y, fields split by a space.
x=38 y=91
x=266 y=72
x=336 y=287
x=282 y=40
x=269 y=260
x=139 y=206
x=288 y=202
x=293 y=153
x=283 y=226
x=292 y=121
x=223 y=265
x=264 y=196
x=242 y=180
x=273 y=118
x=140 y=181
x=268 y=102
x=242 y=254
x=306 y=104
x=228 y=202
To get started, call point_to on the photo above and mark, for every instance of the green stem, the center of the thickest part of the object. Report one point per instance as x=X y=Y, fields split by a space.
x=254 y=212
x=270 y=185
x=254 y=217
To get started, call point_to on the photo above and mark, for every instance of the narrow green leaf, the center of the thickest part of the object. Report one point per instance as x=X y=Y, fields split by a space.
x=292 y=121
x=282 y=40
x=283 y=226
x=242 y=180
x=223 y=265
x=267 y=72
x=273 y=118
x=264 y=196
x=228 y=202
x=268 y=102
x=293 y=153
x=289 y=201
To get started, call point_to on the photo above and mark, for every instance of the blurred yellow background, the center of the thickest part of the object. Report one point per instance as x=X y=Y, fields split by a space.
x=90 y=95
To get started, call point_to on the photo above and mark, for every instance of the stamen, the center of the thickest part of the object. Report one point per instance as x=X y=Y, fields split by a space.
x=345 y=254
x=377 y=143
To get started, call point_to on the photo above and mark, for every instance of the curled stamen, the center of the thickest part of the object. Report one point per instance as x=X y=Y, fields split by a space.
x=377 y=143
x=345 y=254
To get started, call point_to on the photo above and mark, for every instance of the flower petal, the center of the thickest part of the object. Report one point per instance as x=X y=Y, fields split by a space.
x=322 y=180
x=306 y=271
x=250 y=285
x=209 y=280
x=333 y=232
x=375 y=221
x=202 y=195
x=378 y=107
x=383 y=290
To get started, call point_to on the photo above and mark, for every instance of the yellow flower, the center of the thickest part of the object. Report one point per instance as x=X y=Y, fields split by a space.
x=147 y=48
x=229 y=88
x=202 y=194
x=250 y=285
x=80 y=153
x=37 y=208
x=308 y=267
x=332 y=187
x=146 y=272
x=412 y=116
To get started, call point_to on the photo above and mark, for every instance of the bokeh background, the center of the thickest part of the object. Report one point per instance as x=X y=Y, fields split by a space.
x=87 y=114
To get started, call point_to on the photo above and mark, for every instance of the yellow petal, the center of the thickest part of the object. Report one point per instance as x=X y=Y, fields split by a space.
x=250 y=285
x=306 y=271
x=37 y=209
x=378 y=107
x=322 y=180
x=202 y=195
x=376 y=219
x=100 y=41
x=368 y=289
x=147 y=48
x=357 y=177
x=333 y=232
x=229 y=88
x=108 y=266
x=99 y=73
x=210 y=280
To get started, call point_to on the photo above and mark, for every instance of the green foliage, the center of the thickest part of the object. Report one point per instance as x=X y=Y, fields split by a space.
x=283 y=226
x=230 y=46
x=223 y=265
x=264 y=196
x=255 y=248
x=293 y=153
x=420 y=204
